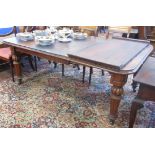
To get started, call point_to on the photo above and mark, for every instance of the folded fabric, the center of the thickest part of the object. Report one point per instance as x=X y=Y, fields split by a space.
x=5 y=53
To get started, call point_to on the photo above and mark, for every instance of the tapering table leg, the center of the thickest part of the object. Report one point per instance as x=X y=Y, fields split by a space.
x=136 y=104
x=117 y=81
x=17 y=66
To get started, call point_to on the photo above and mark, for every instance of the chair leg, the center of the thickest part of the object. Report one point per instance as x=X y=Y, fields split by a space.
x=90 y=74
x=21 y=62
x=38 y=58
x=12 y=72
x=102 y=72
x=134 y=84
x=76 y=65
x=55 y=64
x=22 y=65
x=84 y=70
x=63 y=66
x=30 y=62
x=35 y=63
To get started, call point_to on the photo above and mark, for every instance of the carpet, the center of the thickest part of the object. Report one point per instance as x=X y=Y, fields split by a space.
x=48 y=100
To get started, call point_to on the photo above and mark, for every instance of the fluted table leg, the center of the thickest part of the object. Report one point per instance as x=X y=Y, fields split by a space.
x=117 y=81
x=17 y=66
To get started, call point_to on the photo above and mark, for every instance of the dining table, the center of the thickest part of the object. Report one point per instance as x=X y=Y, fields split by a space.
x=118 y=56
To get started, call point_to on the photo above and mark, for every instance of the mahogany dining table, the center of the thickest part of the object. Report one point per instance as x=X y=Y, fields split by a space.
x=119 y=56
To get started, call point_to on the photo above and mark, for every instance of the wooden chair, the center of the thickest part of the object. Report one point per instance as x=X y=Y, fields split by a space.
x=150 y=34
x=5 y=51
x=90 y=30
x=119 y=31
x=28 y=28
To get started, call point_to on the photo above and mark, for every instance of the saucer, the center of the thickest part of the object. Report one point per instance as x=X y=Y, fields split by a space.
x=46 y=43
x=65 y=40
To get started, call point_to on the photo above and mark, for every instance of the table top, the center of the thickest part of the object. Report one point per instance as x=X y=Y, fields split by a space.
x=58 y=48
x=114 y=53
x=146 y=74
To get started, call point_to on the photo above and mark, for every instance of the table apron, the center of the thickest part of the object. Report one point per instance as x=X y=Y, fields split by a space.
x=55 y=58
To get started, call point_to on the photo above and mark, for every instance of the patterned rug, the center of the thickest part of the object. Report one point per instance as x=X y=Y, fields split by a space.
x=46 y=99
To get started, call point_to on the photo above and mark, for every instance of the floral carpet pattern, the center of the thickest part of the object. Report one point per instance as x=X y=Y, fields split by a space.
x=48 y=100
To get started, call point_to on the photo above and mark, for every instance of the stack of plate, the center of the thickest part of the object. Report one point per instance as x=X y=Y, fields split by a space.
x=40 y=33
x=44 y=40
x=79 y=35
x=26 y=36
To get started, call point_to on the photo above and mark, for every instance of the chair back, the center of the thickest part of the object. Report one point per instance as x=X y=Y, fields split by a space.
x=119 y=30
x=32 y=28
x=90 y=30
x=28 y=28
x=8 y=31
x=150 y=34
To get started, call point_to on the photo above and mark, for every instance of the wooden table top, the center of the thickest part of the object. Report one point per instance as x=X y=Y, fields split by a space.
x=58 y=48
x=116 y=53
x=146 y=74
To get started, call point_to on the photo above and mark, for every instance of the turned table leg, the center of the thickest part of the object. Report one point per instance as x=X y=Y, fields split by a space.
x=17 y=66
x=117 y=81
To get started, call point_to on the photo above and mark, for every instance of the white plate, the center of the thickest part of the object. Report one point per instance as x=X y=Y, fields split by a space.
x=44 y=40
x=65 y=40
x=46 y=43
